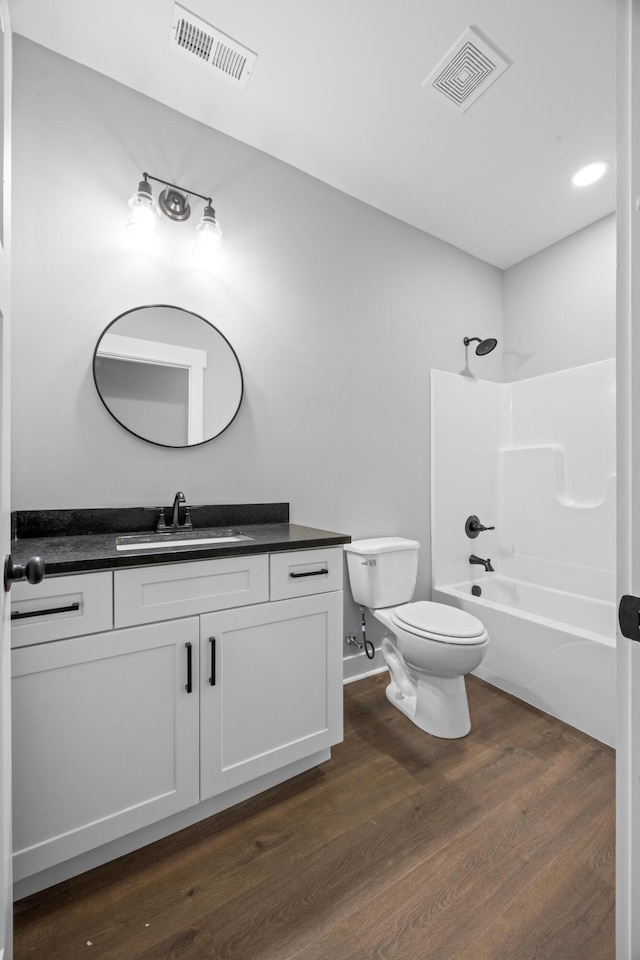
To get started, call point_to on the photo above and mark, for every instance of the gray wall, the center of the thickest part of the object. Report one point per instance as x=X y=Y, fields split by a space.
x=337 y=313
x=560 y=305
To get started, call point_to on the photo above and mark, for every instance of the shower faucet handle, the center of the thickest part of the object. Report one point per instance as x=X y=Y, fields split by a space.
x=473 y=527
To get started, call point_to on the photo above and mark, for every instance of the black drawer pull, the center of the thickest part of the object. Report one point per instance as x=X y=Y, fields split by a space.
x=44 y=613
x=212 y=678
x=189 y=685
x=308 y=573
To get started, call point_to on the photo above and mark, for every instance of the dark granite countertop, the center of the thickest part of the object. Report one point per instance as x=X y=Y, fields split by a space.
x=57 y=536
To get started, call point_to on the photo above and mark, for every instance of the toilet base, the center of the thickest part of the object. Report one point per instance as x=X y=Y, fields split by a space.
x=439 y=705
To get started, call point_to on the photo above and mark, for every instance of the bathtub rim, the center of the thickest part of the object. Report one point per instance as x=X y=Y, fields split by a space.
x=453 y=589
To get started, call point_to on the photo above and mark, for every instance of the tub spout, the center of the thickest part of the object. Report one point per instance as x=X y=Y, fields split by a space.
x=483 y=563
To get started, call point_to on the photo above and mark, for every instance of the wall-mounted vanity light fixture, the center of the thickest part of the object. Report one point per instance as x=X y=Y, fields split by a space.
x=173 y=201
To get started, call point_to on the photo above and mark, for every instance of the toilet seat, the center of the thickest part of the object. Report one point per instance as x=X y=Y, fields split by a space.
x=439 y=622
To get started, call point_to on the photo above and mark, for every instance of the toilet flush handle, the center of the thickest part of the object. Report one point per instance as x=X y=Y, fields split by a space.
x=368 y=563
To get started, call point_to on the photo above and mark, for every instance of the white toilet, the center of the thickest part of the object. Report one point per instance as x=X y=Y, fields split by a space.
x=429 y=647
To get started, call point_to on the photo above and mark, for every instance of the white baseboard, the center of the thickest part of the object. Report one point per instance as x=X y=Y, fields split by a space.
x=361 y=676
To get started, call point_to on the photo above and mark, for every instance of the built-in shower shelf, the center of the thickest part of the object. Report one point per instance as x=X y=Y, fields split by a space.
x=558 y=473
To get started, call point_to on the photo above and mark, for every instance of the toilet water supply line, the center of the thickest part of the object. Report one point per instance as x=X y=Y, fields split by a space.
x=369 y=648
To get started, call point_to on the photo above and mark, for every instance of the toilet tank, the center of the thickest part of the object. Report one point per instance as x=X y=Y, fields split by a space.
x=382 y=571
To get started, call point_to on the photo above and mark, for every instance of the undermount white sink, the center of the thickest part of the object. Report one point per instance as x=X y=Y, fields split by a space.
x=180 y=538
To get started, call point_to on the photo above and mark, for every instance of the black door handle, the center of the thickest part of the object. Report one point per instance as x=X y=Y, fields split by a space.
x=32 y=571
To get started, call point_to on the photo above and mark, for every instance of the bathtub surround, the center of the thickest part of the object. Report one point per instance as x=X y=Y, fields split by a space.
x=543 y=472
x=535 y=459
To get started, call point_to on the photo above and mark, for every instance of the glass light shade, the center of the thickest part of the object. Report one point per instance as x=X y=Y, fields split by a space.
x=208 y=241
x=143 y=215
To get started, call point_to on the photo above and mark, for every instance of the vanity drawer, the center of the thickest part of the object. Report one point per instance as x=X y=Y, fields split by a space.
x=167 y=591
x=303 y=572
x=61 y=607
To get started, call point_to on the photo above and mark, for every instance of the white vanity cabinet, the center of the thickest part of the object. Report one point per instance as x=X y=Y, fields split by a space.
x=271 y=687
x=199 y=683
x=105 y=738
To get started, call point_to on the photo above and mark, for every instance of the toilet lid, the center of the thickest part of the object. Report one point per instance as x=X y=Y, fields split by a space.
x=440 y=620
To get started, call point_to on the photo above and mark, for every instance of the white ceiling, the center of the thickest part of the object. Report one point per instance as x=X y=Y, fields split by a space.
x=337 y=92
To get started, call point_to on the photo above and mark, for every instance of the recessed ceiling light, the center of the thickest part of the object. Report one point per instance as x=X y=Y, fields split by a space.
x=590 y=173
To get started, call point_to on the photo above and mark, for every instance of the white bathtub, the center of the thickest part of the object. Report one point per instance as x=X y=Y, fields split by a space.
x=553 y=649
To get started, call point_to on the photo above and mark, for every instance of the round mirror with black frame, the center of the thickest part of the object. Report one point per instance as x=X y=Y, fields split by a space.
x=168 y=376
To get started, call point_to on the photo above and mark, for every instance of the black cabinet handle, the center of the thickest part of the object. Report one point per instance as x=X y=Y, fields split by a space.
x=189 y=686
x=308 y=573
x=212 y=678
x=44 y=613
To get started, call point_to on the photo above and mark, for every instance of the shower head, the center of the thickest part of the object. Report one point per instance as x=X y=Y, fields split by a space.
x=484 y=346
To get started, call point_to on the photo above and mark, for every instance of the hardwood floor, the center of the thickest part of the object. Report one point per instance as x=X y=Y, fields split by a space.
x=499 y=846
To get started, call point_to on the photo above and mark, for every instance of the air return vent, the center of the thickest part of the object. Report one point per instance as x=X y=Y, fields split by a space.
x=469 y=68
x=223 y=57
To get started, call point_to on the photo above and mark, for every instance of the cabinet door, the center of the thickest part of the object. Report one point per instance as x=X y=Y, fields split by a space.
x=271 y=687
x=105 y=738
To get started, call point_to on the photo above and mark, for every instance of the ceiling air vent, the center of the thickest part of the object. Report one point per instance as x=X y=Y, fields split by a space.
x=199 y=41
x=469 y=68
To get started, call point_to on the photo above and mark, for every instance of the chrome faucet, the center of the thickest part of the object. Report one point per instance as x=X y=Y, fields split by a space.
x=483 y=563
